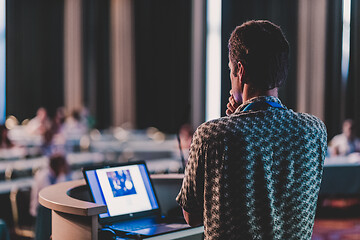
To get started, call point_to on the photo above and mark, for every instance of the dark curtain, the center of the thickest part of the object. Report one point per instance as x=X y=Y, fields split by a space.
x=333 y=83
x=352 y=106
x=281 y=12
x=162 y=63
x=34 y=56
x=96 y=60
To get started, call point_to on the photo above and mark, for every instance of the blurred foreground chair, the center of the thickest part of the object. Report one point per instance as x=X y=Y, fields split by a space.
x=20 y=204
x=4 y=232
x=12 y=173
x=43 y=224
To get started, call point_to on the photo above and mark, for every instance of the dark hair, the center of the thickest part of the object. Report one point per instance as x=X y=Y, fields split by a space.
x=4 y=140
x=261 y=47
x=76 y=115
x=58 y=164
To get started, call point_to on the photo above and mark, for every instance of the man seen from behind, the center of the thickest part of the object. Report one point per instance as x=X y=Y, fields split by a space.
x=256 y=173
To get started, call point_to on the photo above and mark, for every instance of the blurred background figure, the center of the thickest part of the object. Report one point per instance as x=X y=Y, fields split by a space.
x=347 y=142
x=57 y=171
x=75 y=124
x=185 y=136
x=53 y=137
x=87 y=119
x=60 y=116
x=5 y=142
x=186 y=132
x=7 y=148
x=39 y=124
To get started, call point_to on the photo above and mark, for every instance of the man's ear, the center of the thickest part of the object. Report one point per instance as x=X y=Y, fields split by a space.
x=241 y=72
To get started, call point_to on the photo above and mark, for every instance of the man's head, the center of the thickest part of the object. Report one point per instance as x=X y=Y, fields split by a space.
x=259 y=51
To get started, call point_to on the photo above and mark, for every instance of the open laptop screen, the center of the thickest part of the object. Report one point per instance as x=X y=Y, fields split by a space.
x=125 y=190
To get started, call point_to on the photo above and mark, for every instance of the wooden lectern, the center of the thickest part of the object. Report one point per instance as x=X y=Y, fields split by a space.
x=74 y=217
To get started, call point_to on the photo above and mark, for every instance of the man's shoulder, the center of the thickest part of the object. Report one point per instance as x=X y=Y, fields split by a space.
x=311 y=121
x=243 y=123
x=214 y=128
x=224 y=127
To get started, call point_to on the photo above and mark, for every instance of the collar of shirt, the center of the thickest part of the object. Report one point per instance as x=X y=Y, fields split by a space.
x=259 y=99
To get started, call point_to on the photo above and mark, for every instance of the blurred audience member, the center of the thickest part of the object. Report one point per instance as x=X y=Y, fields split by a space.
x=346 y=142
x=75 y=125
x=54 y=138
x=185 y=135
x=5 y=142
x=60 y=116
x=39 y=124
x=87 y=119
x=7 y=148
x=186 y=132
x=57 y=171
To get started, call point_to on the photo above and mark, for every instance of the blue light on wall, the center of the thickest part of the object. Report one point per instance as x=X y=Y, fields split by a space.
x=2 y=61
x=346 y=40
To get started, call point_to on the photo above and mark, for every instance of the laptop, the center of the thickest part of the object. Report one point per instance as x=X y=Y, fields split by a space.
x=133 y=208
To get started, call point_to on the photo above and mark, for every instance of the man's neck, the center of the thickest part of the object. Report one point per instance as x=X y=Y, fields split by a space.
x=249 y=93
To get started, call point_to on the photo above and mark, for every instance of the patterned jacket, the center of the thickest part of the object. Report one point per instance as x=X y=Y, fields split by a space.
x=256 y=174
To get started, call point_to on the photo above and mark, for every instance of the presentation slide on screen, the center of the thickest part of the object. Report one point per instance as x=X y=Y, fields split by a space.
x=123 y=190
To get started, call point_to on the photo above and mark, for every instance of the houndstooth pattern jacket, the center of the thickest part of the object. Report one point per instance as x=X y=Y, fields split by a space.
x=256 y=174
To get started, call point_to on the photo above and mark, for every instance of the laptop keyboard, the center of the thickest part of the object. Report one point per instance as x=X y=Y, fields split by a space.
x=136 y=224
x=134 y=227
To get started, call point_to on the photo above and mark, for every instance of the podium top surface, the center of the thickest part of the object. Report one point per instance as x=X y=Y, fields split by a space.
x=56 y=197
x=60 y=197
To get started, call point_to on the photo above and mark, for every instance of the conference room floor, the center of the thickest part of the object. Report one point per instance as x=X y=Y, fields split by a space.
x=336 y=229
x=338 y=220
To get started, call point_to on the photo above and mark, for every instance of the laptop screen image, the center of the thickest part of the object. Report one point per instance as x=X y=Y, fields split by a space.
x=125 y=190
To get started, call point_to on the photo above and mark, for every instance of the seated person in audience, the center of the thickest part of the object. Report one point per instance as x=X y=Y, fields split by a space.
x=39 y=124
x=185 y=135
x=5 y=142
x=54 y=138
x=86 y=118
x=346 y=142
x=57 y=171
x=75 y=125
x=7 y=148
x=60 y=116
